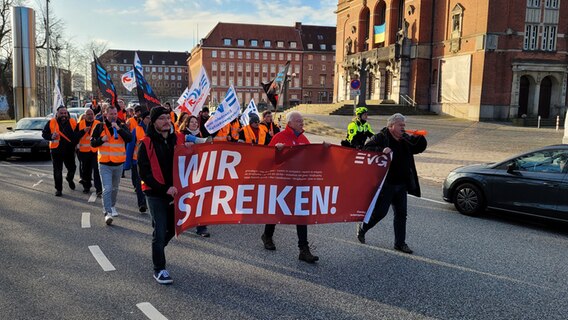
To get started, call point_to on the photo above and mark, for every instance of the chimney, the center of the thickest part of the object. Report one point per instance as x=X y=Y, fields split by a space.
x=298 y=26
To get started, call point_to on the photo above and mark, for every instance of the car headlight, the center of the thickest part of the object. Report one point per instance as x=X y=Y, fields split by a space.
x=2 y=142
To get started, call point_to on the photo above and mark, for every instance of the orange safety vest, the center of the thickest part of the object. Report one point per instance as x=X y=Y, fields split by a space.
x=154 y=163
x=54 y=127
x=223 y=133
x=251 y=138
x=85 y=142
x=112 y=150
x=139 y=135
x=131 y=123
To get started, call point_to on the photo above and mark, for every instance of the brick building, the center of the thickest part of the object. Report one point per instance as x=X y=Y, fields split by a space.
x=165 y=71
x=471 y=59
x=245 y=55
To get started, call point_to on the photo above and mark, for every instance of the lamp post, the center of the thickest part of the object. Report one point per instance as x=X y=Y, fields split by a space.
x=286 y=101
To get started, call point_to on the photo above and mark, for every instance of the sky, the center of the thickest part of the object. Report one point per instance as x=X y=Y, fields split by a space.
x=172 y=25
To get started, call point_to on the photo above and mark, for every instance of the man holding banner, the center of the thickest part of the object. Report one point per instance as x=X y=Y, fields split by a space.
x=293 y=135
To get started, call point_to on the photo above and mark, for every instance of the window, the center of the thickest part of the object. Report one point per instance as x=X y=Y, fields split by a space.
x=254 y=43
x=240 y=42
x=179 y=78
x=310 y=57
x=231 y=54
x=289 y=57
x=176 y=62
x=553 y=161
x=223 y=66
x=297 y=68
x=297 y=57
x=166 y=69
x=323 y=57
x=267 y=43
x=239 y=54
x=163 y=61
x=167 y=77
x=310 y=80
x=256 y=55
x=227 y=42
x=322 y=80
x=273 y=56
x=146 y=69
x=150 y=62
x=223 y=54
x=248 y=67
x=214 y=66
x=533 y=3
x=179 y=70
x=240 y=81
x=272 y=68
x=115 y=68
x=124 y=61
x=160 y=69
x=296 y=82
x=293 y=44
x=248 y=82
x=153 y=69
x=214 y=54
x=239 y=67
x=310 y=46
x=256 y=67
x=121 y=68
x=323 y=67
x=159 y=77
x=322 y=46
x=333 y=47
x=280 y=44
x=264 y=56
x=531 y=33
x=231 y=67
x=310 y=67
x=248 y=54
x=320 y=37
x=549 y=38
x=551 y=4
x=281 y=56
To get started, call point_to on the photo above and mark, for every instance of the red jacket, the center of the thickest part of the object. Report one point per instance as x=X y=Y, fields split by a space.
x=288 y=138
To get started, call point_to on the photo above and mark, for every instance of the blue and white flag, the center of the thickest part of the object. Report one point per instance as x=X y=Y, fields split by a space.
x=251 y=108
x=225 y=112
x=194 y=99
x=129 y=78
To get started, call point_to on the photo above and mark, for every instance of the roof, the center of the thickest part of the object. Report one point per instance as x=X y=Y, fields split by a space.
x=169 y=57
x=318 y=35
x=248 y=32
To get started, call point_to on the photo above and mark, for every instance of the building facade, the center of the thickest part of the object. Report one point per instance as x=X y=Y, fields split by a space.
x=470 y=59
x=165 y=71
x=245 y=55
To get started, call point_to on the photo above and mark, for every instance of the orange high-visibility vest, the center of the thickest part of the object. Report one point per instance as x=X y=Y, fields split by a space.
x=251 y=138
x=154 y=163
x=138 y=135
x=112 y=150
x=131 y=123
x=85 y=142
x=54 y=127
x=223 y=133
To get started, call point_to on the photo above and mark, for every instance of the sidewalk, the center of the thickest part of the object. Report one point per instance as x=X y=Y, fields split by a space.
x=451 y=142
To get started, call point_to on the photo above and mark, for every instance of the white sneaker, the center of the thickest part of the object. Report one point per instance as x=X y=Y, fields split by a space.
x=108 y=220
x=113 y=212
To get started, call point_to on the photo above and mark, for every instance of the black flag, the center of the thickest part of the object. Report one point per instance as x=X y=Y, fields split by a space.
x=146 y=95
x=275 y=86
x=105 y=83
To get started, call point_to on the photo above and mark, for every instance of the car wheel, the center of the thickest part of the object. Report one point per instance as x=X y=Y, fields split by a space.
x=469 y=199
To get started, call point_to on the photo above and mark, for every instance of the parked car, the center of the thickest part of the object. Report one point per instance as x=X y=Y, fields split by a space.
x=75 y=113
x=25 y=139
x=534 y=183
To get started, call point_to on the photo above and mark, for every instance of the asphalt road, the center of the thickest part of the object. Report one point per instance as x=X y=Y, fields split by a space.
x=494 y=267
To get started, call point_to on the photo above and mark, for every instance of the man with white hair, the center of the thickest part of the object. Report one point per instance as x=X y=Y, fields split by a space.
x=401 y=178
x=291 y=136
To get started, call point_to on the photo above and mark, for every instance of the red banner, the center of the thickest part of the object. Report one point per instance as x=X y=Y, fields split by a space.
x=235 y=183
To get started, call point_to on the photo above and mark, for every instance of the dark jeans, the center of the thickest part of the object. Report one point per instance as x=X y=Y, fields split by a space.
x=395 y=195
x=164 y=229
x=58 y=159
x=302 y=231
x=135 y=177
x=89 y=170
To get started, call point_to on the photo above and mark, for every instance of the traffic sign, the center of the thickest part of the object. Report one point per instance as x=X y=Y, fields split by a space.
x=355 y=84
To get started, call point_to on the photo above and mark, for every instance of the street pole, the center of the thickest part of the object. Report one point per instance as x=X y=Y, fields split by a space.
x=48 y=70
x=363 y=77
x=285 y=100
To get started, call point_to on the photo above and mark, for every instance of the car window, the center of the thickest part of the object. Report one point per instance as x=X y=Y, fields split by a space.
x=543 y=161
x=31 y=124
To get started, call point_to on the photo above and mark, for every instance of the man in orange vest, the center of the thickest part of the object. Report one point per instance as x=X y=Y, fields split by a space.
x=252 y=133
x=110 y=137
x=155 y=159
x=59 y=131
x=87 y=155
x=267 y=125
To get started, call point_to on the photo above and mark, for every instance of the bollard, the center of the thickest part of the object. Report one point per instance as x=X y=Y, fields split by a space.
x=538 y=123
x=557 y=123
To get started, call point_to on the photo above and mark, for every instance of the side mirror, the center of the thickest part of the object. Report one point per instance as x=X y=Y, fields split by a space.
x=10 y=128
x=512 y=167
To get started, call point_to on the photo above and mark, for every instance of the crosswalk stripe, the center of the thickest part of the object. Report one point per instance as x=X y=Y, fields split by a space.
x=150 y=312
x=101 y=258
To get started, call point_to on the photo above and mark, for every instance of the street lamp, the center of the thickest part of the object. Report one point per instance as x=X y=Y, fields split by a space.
x=286 y=102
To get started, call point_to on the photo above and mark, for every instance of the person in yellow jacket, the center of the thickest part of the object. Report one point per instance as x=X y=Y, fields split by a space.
x=87 y=155
x=359 y=130
x=59 y=131
x=252 y=133
x=110 y=137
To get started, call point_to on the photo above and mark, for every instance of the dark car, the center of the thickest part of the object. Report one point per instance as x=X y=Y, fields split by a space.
x=25 y=139
x=533 y=183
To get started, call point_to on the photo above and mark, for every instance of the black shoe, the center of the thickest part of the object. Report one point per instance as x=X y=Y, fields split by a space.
x=58 y=193
x=99 y=194
x=85 y=191
x=306 y=255
x=268 y=243
x=404 y=248
x=71 y=184
x=360 y=233
x=142 y=208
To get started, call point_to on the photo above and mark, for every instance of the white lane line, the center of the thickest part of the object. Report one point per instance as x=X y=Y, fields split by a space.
x=430 y=200
x=93 y=197
x=150 y=312
x=101 y=258
x=86 y=220
x=37 y=184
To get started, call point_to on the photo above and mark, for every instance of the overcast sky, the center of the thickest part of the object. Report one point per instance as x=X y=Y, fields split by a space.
x=173 y=24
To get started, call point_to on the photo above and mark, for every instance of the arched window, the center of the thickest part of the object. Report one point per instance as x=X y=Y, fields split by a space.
x=379 y=18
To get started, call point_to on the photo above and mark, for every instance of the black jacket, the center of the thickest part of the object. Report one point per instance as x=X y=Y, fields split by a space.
x=414 y=145
x=64 y=145
x=164 y=149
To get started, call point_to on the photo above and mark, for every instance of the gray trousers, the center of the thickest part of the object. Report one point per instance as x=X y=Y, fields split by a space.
x=110 y=179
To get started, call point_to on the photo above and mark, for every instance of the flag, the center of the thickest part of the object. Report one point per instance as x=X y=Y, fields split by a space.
x=251 y=108
x=227 y=110
x=195 y=97
x=146 y=95
x=105 y=82
x=275 y=86
x=57 y=97
x=128 y=79
x=380 y=33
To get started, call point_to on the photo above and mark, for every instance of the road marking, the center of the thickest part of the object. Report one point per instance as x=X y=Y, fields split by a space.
x=431 y=200
x=101 y=258
x=86 y=220
x=37 y=184
x=150 y=312
x=93 y=197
